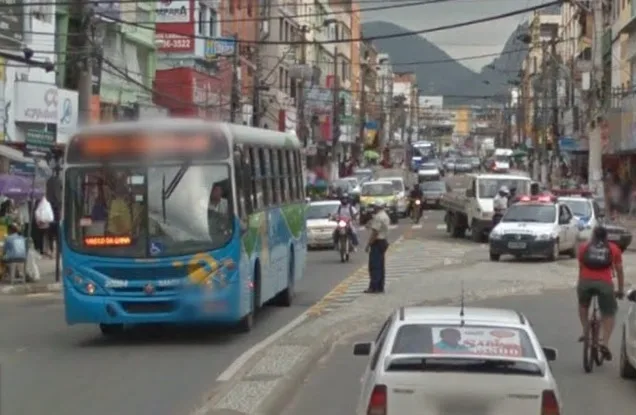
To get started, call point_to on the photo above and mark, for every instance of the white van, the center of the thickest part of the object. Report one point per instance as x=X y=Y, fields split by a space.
x=502 y=160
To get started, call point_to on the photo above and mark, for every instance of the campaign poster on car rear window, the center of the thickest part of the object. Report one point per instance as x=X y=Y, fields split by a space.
x=477 y=341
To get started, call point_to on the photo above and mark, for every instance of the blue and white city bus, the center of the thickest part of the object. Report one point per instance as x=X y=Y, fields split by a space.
x=180 y=221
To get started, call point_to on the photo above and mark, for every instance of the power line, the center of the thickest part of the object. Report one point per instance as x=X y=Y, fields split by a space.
x=366 y=38
x=394 y=5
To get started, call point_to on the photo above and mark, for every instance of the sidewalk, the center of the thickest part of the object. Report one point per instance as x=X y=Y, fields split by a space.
x=45 y=284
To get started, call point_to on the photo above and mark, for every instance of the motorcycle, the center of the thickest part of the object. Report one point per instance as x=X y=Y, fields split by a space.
x=416 y=211
x=344 y=241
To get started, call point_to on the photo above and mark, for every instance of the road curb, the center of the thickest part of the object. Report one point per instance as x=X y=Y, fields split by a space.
x=31 y=288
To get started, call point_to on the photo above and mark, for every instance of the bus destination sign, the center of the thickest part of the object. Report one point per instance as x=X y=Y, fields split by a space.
x=197 y=146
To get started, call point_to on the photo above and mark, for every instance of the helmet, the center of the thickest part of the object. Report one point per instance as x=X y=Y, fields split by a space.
x=504 y=189
x=344 y=199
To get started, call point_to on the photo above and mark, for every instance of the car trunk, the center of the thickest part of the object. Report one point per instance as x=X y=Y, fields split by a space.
x=464 y=394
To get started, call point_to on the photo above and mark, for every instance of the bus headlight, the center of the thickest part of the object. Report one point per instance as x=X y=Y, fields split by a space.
x=86 y=286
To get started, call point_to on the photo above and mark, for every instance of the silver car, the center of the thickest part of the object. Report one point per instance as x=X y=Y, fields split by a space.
x=320 y=226
x=464 y=165
x=627 y=363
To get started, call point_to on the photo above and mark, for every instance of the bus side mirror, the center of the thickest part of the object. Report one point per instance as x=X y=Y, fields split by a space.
x=469 y=193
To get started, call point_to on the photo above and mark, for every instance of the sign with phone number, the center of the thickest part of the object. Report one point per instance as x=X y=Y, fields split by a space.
x=173 y=42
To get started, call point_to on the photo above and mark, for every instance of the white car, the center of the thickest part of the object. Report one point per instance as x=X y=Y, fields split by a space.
x=438 y=360
x=398 y=186
x=320 y=227
x=627 y=362
x=586 y=211
x=535 y=226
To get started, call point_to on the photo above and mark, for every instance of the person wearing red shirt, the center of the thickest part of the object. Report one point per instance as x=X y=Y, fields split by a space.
x=598 y=282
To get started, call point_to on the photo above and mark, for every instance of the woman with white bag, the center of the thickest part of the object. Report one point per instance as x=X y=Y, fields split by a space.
x=43 y=216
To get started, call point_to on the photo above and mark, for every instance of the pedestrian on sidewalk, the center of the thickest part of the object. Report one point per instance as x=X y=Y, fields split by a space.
x=376 y=248
x=14 y=253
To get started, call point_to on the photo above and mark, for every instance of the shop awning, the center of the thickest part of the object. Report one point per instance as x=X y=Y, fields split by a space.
x=17 y=156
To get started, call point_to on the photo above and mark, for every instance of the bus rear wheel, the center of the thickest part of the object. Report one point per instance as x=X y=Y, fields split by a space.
x=286 y=297
x=111 y=330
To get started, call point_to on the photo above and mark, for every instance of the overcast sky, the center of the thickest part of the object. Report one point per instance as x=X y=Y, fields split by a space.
x=472 y=40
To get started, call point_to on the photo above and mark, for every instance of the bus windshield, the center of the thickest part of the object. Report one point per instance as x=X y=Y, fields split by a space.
x=149 y=211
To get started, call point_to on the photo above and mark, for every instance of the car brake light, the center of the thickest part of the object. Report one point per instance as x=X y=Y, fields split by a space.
x=378 y=400
x=549 y=403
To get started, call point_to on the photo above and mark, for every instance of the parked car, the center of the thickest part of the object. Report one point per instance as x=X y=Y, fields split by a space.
x=627 y=362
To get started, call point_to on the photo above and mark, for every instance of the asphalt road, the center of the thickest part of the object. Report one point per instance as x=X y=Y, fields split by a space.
x=48 y=367
x=334 y=385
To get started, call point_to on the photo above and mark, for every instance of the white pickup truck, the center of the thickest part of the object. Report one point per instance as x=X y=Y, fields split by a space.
x=474 y=209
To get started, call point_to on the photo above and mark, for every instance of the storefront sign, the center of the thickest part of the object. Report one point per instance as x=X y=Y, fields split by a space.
x=175 y=26
x=174 y=11
x=215 y=48
x=45 y=104
x=11 y=23
x=39 y=141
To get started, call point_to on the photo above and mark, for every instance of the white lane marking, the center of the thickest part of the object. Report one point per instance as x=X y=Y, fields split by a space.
x=236 y=365
x=440 y=227
x=419 y=226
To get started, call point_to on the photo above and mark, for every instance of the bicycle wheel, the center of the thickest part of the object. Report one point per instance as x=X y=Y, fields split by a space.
x=588 y=357
x=596 y=353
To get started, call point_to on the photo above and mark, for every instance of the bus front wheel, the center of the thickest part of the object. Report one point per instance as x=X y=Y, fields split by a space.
x=247 y=322
x=111 y=330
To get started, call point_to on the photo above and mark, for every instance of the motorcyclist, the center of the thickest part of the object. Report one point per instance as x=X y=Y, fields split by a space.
x=347 y=210
x=500 y=204
x=414 y=194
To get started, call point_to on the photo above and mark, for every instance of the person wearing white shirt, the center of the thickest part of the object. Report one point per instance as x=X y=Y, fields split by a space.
x=218 y=203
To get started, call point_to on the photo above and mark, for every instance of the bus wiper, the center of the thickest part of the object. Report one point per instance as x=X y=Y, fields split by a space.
x=167 y=192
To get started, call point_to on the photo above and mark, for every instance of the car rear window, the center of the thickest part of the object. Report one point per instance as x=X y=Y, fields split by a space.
x=441 y=340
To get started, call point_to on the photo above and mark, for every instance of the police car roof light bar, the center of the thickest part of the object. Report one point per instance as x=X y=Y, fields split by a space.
x=540 y=198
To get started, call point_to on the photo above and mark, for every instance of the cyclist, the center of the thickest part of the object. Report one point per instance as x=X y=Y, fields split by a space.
x=599 y=259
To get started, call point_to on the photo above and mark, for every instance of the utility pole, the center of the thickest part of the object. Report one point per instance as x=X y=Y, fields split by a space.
x=544 y=113
x=535 y=121
x=363 y=108
x=595 y=177
x=383 y=117
x=300 y=96
x=235 y=100
x=256 y=85
x=85 y=78
x=556 y=164
x=412 y=111
x=335 y=119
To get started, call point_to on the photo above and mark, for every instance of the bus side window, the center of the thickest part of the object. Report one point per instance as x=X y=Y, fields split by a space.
x=265 y=172
x=242 y=196
x=284 y=173
x=276 y=191
x=257 y=191
x=298 y=173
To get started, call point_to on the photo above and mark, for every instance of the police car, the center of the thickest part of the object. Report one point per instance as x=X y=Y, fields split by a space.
x=584 y=208
x=535 y=226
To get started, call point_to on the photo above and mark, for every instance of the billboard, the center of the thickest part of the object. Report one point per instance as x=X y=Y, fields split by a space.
x=175 y=26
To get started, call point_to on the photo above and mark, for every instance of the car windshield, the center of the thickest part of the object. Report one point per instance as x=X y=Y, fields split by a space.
x=342 y=184
x=465 y=161
x=148 y=211
x=502 y=158
x=433 y=186
x=530 y=213
x=488 y=188
x=428 y=166
x=321 y=211
x=475 y=160
x=398 y=185
x=359 y=174
x=580 y=208
x=377 y=189
x=469 y=340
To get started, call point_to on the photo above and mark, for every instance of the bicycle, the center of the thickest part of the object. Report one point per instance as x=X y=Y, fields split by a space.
x=591 y=354
x=591 y=350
